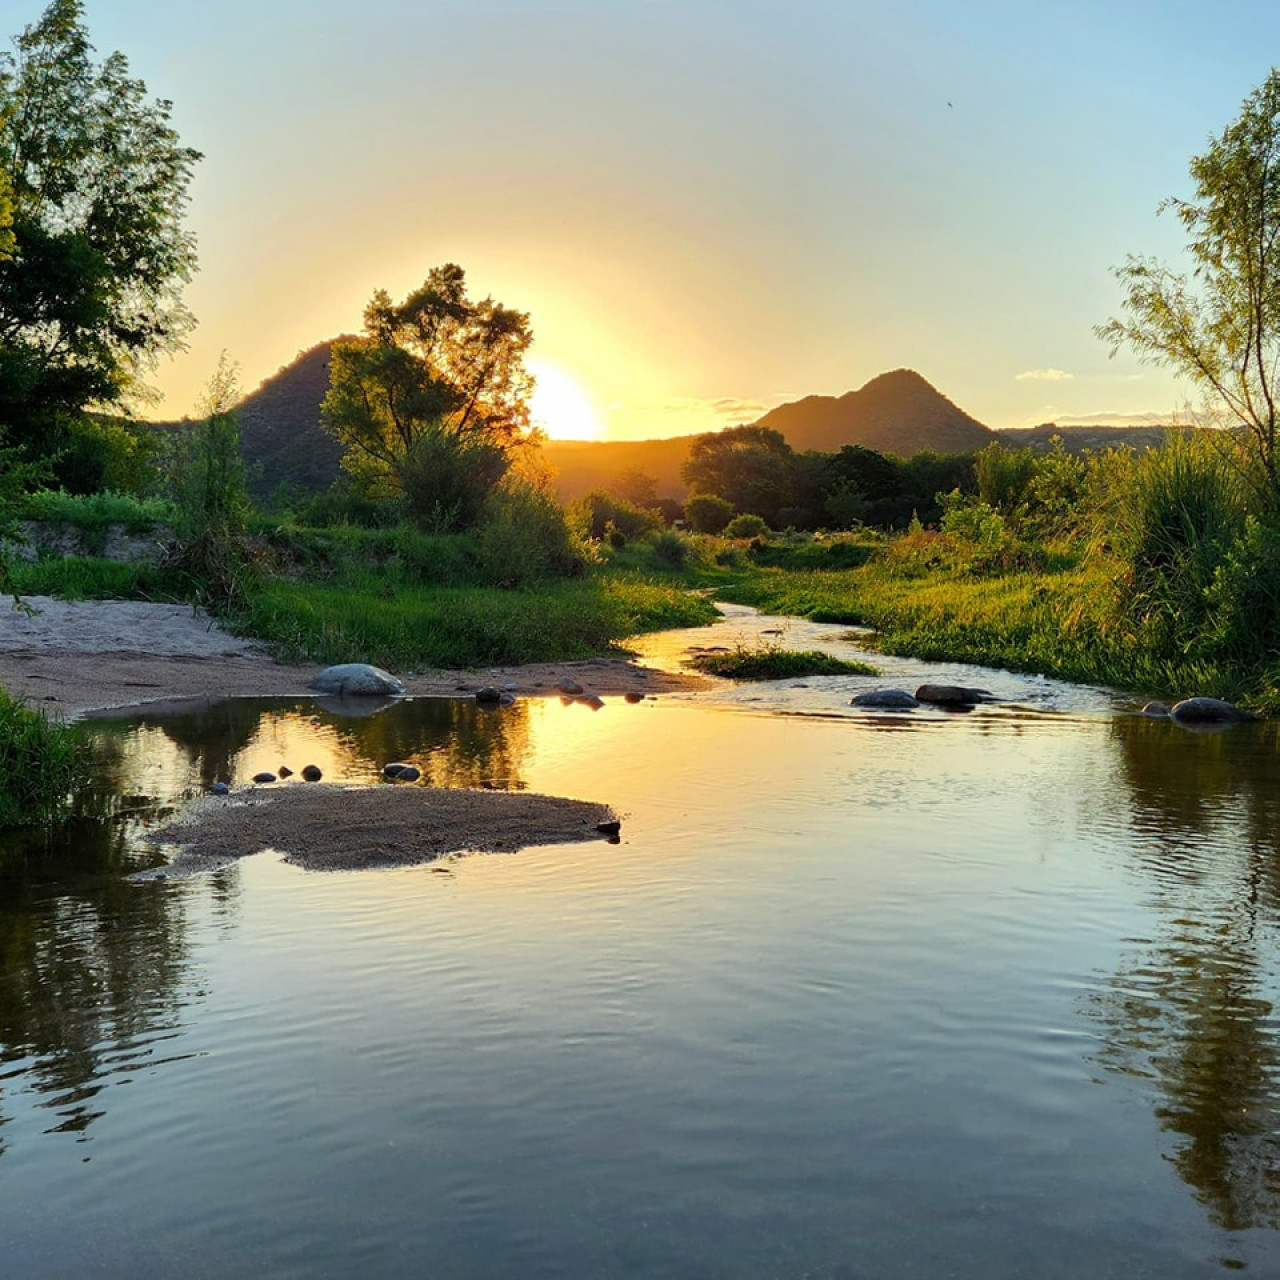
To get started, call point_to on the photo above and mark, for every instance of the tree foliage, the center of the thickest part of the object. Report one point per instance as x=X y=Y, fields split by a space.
x=96 y=256
x=1220 y=326
x=751 y=468
x=434 y=392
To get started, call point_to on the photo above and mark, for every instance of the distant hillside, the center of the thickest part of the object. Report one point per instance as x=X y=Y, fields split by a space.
x=1078 y=439
x=897 y=412
x=583 y=465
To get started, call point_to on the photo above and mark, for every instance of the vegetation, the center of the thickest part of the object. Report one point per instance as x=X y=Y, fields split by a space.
x=95 y=255
x=40 y=764
x=769 y=662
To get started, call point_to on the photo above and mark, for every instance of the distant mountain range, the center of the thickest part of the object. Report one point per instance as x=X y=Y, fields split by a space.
x=898 y=412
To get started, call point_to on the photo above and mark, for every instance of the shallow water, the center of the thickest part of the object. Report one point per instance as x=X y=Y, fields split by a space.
x=857 y=995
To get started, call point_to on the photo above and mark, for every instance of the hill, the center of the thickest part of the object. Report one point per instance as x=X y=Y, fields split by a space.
x=1078 y=439
x=897 y=412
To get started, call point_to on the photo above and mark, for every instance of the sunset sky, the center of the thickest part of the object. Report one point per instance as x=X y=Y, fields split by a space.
x=708 y=207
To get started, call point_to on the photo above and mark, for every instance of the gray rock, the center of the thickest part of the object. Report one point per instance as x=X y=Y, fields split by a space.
x=220 y=789
x=400 y=772
x=1157 y=710
x=356 y=680
x=951 y=695
x=570 y=687
x=890 y=699
x=1207 y=711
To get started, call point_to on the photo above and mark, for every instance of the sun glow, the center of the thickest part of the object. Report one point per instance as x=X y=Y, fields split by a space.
x=560 y=406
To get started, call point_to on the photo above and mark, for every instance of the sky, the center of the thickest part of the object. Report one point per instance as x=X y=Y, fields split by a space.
x=708 y=207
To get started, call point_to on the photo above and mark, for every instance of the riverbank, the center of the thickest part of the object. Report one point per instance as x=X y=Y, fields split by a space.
x=72 y=657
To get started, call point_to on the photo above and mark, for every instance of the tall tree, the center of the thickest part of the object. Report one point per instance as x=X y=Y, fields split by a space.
x=750 y=467
x=1220 y=326
x=430 y=401
x=91 y=290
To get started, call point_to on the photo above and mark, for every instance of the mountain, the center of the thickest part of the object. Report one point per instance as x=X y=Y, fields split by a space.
x=1078 y=439
x=897 y=413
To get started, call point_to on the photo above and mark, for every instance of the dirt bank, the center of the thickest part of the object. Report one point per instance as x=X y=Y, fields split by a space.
x=78 y=656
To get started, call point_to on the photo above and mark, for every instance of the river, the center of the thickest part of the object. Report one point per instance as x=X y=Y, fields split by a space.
x=857 y=995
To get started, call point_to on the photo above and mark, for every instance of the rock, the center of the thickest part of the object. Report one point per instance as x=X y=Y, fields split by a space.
x=1157 y=710
x=1207 y=711
x=284 y=771
x=312 y=773
x=356 y=680
x=951 y=695
x=489 y=695
x=633 y=696
x=400 y=772
x=220 y=789
x=608 y=828
x=888 y=699
x=264 y=777
x=570 y=687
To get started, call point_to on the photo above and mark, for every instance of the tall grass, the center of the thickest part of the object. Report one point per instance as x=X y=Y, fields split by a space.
x=420 y=628
x=97 y=510
x=40 y=763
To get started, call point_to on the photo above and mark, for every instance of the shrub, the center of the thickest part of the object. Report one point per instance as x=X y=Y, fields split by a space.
x=40 y=762
x=707 y=513
x=447 y=480
x=595 y=512
x=525 y=537
x=746 y=526
x=670 y=549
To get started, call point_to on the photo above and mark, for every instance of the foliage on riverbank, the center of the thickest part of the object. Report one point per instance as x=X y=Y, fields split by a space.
x=770 y=662
x=40 y=763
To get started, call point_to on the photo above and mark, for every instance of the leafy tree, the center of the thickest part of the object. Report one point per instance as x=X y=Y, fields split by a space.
x=96 y=257
x=751 y=468
x=1220 y=326
x=636 y=487
x=437 y=380
x=707 y=512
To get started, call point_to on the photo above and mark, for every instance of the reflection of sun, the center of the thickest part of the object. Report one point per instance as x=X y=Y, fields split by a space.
x=560 y=407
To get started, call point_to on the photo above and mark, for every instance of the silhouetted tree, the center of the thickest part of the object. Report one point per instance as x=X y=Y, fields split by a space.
x=752 y=468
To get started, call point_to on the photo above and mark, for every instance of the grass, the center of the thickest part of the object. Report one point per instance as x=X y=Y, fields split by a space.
x=418 y=628
x=87 y=578
x=97 y=510
x=772 y=663
x=40 y=763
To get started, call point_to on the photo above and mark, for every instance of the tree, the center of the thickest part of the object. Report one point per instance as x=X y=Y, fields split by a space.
x=751 y=468
x=431 y=400
x=1221 y=325
x=91 y=282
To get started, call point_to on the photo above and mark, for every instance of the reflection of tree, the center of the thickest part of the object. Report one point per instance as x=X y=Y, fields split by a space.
x=91 y=966
x=1190 y=1010
x=452 y=740
x=211 y=737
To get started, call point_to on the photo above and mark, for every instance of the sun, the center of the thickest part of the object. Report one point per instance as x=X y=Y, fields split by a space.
x=560 y=406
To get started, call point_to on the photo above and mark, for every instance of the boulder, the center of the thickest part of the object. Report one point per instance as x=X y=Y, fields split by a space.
x=357 y=680
x=1207 y=711
x=888 y=699
x=570 y=688
x=400 y=772
x=951 y=695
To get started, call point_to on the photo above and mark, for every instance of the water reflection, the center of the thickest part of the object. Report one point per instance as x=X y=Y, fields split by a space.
x=93 y=972
x=1190 y=1009
x=454 y=742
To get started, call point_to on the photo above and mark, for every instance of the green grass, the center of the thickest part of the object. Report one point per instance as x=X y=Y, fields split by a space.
x=771 y=663
x=40 y=763
x=97 y=510
x=86 y=578
x=414 y=629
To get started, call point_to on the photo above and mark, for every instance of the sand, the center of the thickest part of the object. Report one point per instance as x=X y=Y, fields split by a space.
x=332 y=828
x=74 y=657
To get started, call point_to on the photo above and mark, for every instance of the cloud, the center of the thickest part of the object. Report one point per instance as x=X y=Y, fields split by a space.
x=729 y=407
x=1044 y=375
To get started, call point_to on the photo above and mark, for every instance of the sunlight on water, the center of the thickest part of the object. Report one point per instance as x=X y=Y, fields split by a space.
x=975 y=996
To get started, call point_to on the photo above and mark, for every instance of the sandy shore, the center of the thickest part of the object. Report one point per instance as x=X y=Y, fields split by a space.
x=329 y=828
x=73 y=657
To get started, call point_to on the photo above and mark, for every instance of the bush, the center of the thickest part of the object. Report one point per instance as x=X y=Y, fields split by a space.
x=96 y=510
x=596 y=511
x=447 y=480
x=525 y=537
x=670 y=549
x=40 y=762
x=707 y=513
x=746 y=526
